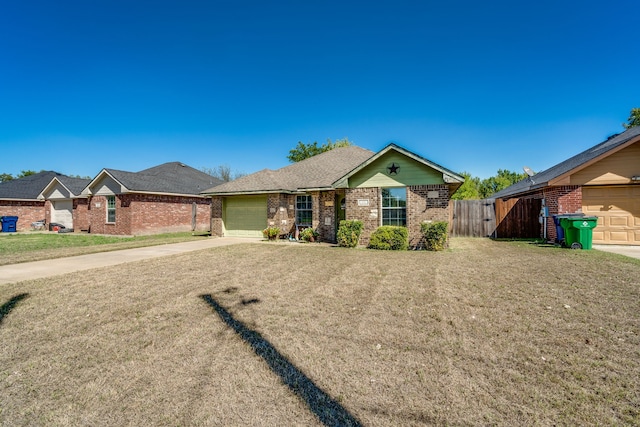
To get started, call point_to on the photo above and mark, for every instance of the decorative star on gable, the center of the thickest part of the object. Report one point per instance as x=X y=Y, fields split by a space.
x=393 y=169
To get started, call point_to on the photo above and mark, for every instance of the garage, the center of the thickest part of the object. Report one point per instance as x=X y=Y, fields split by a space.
x=618 y=212
x=62 y=212
x=245 y=216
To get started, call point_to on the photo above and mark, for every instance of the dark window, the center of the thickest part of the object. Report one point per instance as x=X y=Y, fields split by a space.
x=304 y=212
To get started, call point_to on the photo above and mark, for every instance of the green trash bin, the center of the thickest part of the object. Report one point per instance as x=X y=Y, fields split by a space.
x=578 y=231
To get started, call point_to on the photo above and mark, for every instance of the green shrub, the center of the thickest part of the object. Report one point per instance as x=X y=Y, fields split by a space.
x=349 y=233
x=389 y=237
x=309 y=235
x=271 y=233
x=435 y=235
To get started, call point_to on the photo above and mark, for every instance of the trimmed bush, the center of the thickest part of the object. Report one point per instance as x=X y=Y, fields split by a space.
x=349 y=233
x=435 y=235
x=390 y=238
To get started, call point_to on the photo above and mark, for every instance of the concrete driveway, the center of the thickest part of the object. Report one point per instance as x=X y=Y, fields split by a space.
x=54 y=267
x=630 y=251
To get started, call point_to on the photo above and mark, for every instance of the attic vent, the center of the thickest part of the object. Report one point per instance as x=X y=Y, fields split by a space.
x=183 y=165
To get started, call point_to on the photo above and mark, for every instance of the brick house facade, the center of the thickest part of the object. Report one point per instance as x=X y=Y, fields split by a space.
x=602 y=182
x=162 y=199
x=353 y=192
x=26 y=211
x=141 y=214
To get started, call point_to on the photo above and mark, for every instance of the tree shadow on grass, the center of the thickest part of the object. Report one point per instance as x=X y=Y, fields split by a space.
x=329 y=411
x=9 y=305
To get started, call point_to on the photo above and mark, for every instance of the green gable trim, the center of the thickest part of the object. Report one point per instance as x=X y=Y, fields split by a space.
x=380 y=170
x=394 y=169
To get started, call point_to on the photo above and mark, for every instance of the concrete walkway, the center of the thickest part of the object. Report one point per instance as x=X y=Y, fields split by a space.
x=54 y=267
x=630 y=251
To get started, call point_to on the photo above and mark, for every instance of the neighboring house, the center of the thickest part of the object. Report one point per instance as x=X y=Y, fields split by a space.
x=391 y=187
x=161 y=199
x=603 y=181
x=19 y=197
x=64 y=203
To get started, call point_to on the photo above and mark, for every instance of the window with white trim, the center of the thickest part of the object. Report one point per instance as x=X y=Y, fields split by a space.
x=111 y=209
x=394 y=206
x=304 y=211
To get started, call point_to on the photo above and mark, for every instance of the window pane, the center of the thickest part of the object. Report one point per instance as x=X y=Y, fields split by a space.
x=304 y=212
x=394 y=203
x=111 y=209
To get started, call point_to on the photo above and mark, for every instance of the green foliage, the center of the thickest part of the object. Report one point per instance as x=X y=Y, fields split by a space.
x=349 y=233
x=304 y=151
x=5 y=177
x=22 y=174
x=633 y=120
x=502 y=180
x=390 y=238
x=473 y=188
x=309 y=235
x=435 y=235
x=271 y=233
x=469 y=190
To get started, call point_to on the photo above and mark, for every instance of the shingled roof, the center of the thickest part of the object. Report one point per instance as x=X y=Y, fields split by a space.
x=28 y=187
x=317 y=172
x=542 y=179
x=167 y=178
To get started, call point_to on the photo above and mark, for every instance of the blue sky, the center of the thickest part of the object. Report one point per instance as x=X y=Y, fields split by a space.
x=473 y=86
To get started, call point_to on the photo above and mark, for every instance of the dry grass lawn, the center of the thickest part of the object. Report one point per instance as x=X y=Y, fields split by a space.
x=487 y=333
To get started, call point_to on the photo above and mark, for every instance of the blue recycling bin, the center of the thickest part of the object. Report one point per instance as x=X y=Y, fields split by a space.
x=9 y=224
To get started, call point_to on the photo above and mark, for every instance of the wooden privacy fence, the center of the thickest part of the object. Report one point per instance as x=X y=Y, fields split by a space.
x=513 y=218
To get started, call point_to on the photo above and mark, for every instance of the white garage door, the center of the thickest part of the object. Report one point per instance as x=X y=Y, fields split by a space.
x=618 y=212
x=62 y=212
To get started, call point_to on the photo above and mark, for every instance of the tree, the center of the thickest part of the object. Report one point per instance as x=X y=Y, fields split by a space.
x=22 y=174
x=502 y=180
x=223 y=172
x=304 y=151
x=633 y=120
x=469 y=190
x=5 y=177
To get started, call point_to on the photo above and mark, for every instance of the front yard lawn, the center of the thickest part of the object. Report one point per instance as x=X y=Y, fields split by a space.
x=486 y=333
x=25 y=247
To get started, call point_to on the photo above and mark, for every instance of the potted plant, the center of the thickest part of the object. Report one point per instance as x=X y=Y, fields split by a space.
x=309 y=235
x=271 y=233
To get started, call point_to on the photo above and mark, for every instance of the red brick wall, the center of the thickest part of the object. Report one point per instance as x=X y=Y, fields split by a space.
x=560 y=200
x=139 y=214
x=425 y=203
x=97 y=211
x=81 y=214
x=26 y=211
x=153 y=214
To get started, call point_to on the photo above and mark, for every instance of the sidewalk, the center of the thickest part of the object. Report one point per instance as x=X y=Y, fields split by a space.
x=630 y=251
x=55 y=267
